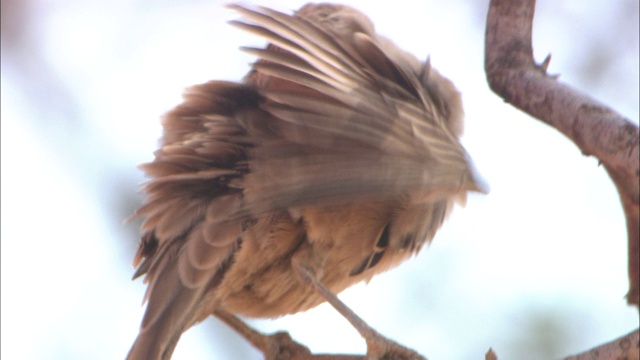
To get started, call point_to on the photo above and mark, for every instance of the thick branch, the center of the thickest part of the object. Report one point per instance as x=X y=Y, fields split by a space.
x=624 y=347
x=595 y=128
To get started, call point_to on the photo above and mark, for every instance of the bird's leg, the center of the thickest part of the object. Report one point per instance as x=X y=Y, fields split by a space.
x=274 y=347
x=378 y=346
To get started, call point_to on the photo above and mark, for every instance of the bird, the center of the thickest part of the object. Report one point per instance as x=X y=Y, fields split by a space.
x=336 y=158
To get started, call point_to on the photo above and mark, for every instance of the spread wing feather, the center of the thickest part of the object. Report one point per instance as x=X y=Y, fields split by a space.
x=350 y=120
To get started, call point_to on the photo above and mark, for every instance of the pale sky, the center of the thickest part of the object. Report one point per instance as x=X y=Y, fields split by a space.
x=544 y=253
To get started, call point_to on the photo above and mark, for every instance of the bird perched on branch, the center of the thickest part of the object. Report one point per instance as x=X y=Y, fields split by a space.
x=337 y=158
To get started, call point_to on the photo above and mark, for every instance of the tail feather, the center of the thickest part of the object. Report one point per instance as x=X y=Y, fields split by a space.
x=170 y=311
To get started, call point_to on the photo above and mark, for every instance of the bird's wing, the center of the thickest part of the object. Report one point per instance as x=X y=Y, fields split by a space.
x=351 y=118
x=188 y=240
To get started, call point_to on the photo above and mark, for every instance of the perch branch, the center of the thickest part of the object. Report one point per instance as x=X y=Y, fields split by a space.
x=624 y=347
x=595 y=128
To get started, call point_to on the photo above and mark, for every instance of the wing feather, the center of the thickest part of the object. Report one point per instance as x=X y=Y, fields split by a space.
x=362 y=119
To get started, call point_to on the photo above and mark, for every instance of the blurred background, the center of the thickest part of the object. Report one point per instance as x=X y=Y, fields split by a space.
x=536 y=269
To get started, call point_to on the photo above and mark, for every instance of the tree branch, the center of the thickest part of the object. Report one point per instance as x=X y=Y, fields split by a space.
x=595 y=128
x=624 y=347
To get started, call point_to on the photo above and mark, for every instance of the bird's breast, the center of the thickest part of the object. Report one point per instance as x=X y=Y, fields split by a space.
x=347 y=244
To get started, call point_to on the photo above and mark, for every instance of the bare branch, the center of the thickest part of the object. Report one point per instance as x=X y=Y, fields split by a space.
x=595 y=128
x=490 y=355
x=624 y=347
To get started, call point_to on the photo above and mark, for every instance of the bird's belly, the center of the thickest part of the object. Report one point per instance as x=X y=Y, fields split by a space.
x=263 y=282
x=277 y=291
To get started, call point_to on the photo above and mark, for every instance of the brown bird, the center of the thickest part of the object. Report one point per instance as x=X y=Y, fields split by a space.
x=335 y=159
